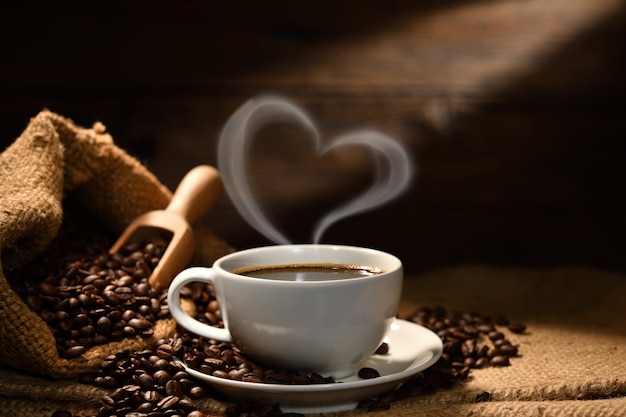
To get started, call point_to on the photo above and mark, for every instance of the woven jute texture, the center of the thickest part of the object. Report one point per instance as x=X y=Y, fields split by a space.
x=52 y=161
x=575 y=344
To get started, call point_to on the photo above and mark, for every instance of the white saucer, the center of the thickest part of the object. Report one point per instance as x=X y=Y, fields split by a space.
x=412 y=348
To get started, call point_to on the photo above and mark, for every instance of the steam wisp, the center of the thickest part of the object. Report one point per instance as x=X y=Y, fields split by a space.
x=394 y=168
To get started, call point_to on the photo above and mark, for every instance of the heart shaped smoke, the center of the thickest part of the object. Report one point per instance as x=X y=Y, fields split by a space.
x=394 y=168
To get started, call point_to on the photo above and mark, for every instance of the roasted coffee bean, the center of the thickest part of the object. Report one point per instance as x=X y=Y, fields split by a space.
x=159 y=363
x=146 y=380
x=129 y=331
x=164 y=351
x=106 y=381
x=75 y=351
x=463 y=372
x=161 y=377
x=143 y=409
x=252 y=378
x=151 y=396
x=470 y=330
x=481 y=362
x=500 y=360
x=494 y=351
x=468 y=347
x=45 y=288
x=103 y=325
x=186 y=405
x=320 y=379
x=108 y=400
x=485 y=328
x=509 y=350
x=111 y=297
x=139 y=323
x=383 y=349
x=237 y=374
x=368 y=373
x=277 y=378
x=500 y=342
x=517 y=327
x=469 y=362
x=168 y=402
x=198 y=391
x=177 y=346
x=64 y=328
x=495 y=335
x=179 y=375
x=483 y=397
x=482 y=352
x=173 y=387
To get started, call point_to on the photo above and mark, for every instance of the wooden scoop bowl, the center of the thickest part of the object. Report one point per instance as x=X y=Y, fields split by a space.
x=196 y=194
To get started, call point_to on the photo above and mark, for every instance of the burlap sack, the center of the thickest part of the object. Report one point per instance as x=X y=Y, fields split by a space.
x=52 y=160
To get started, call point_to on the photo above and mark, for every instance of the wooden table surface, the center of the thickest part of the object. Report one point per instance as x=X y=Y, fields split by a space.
x=514 y=112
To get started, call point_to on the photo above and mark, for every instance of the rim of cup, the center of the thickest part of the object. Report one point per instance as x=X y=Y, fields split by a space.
x=392 y=262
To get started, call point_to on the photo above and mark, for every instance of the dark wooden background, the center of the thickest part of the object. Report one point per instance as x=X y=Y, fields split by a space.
x=514 y=112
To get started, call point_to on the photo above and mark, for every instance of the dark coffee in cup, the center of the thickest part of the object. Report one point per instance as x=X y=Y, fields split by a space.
x=308 y=271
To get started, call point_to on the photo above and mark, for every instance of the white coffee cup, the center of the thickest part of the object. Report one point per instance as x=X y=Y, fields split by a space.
x=328 y=325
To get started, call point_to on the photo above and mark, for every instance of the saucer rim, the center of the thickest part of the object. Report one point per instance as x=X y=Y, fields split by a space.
x=432 y=344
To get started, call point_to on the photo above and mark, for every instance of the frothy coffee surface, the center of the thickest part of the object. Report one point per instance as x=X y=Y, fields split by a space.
x=309 y=271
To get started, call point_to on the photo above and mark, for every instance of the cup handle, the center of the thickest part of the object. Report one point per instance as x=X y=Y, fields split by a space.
x=187 y=276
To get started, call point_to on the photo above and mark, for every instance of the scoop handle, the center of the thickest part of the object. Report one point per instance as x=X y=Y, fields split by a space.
x=196 y=194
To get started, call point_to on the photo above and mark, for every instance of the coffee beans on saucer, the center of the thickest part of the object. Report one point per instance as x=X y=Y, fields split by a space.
x=225 y=360
x=368 y=373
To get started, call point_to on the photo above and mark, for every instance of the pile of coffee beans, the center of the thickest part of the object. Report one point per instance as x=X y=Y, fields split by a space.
x=470 y=341
x=462 y=334
x=147 y=383
x=99 y=297
x=225 y=360
x=154 y=383
x=207 y=308
x=95 y=298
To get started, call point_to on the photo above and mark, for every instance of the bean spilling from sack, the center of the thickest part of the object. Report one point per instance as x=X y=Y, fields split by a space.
x=99 y=298
x=96 y=297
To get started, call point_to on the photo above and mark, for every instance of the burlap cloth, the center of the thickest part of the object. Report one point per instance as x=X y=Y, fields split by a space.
x=575 y=346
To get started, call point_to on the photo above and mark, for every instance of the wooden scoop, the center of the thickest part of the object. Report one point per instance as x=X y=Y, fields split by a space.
x=196 y=194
